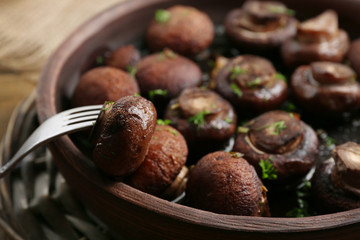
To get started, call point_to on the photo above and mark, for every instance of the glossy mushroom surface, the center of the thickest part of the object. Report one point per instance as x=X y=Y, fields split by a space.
x=317 y=39
x=122 y=135
x=278 y=137
x=164 y=161
x=184 y=29
x=226 y=183
x=205 y=119
x=124 y=57
x=251 y=84
x=168 y=73
x=326 y=87
x=103 y=84
x=353 y=56
x=260 y=25
x=336 y=185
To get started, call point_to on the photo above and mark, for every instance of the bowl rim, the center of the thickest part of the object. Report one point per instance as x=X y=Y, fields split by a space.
x=46 y=107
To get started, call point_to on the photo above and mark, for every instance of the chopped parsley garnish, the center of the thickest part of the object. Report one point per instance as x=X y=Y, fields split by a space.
x=162 y=16
x=243 y=129
x=281 y=10
x=131 y=70
x=236 y=71
x=228 y=120
x=100 y=60
x=236 y=90
x=280 y=76
x=268 y=170
x=107 y=105
x=199 y=119
x=137 y=95
x=172 y=131
x=254 y=82
x=302 y=209
x=276 y=127
x=163 y=122
x=329 y=141
x=157 y=92
x=236 y=154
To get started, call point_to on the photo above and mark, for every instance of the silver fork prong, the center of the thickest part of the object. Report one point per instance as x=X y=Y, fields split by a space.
x=81 y=109
x=78 y=126
x=82 y=114
x=80 y=119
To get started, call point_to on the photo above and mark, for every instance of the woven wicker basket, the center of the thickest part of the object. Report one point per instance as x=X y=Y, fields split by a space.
x=35 y=201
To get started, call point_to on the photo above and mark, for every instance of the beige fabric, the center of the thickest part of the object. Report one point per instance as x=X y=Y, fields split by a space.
x=30 y=30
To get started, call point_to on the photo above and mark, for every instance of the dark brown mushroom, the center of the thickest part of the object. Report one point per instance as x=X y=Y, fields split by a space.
x=354 y=56
x=260 y=25
x=226 y=183
x=163 y=163
x=204 y=118
x=167 y=74
x=280 y=139
x=251 y=84
x=336 y=185
x=317 y=39
x=122 y=135
x=326 y=87
x=124 y=57
x=103 y=84
x=184 y=29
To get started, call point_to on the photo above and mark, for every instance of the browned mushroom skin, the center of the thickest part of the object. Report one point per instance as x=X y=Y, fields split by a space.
x=167 y=71
x=326 y=87
x=124 y=134
x=260 y=25
x=317 y=39
x=290 y=144
x=256 y=87
x=165 y=159
x=218 y=116
x=226 y=183
x=354 y=56
x=103 y=84
x=335 y=183
x=188 y=31
x=124 y=57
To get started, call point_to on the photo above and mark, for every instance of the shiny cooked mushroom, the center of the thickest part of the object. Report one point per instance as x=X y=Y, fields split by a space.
x=184 y=29
x=226 y=183
x=124 y=57
x=164 y=165
x=354 y=56
x=336 y=182
x=103 y=84
x=122 y=135
x=251 y=84
x=166 y=74
x=280 y=139
x=204 y=118
x=317 y=39
x=326 y=87
x=260 y=25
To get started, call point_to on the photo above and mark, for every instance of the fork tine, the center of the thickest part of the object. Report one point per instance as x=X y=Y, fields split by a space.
x=83 y=114
x=80 y=119
x=82 y=109
x=78 y=126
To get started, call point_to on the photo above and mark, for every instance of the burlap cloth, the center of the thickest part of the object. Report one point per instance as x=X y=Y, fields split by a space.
x=30 y=30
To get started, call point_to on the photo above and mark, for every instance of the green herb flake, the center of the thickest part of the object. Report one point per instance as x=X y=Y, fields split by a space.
x=100 y=60
x=281 y=10
x=131 y=70
x=236 y=154
x=268 y=170
x=163 y=122
x=157 y=92
x=236 y=90
x=162 y=16
x=107 y=105
x=236 y=71
x=228 y=120
x=137 y=95
x=280 y=76
x=254 y=82
x=172 y=131
x=329 y=141
x=243 y=129
x=199 y=119
x=291 y=115
x=276 y=127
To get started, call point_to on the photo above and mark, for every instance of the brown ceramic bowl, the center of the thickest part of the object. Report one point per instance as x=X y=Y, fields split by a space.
x=138 y=215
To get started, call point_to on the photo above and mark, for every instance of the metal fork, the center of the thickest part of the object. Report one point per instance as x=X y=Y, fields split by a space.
x=65 y=122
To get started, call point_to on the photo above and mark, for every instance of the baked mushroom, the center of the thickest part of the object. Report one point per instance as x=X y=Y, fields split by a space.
x=226 y=183
x=260 y=25
x=103 y=84
x=205 y=119
x=163 y=172
x=166 y=74
x=122 y=135
x=336 y=182
x=279 y=141
x=326 y=87
x=251 y=84
x=354 y=56
x=124 y=58
x=184 y=29
x=317 y=39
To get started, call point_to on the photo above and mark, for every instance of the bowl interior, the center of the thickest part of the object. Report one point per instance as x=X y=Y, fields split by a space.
x=123 y=24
